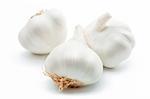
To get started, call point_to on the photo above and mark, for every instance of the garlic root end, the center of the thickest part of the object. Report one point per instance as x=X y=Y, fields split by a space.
x=64 y=82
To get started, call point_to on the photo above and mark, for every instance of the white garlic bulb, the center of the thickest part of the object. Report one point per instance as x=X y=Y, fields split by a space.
x=110 y=39
x=73 y=63
x=43 y=32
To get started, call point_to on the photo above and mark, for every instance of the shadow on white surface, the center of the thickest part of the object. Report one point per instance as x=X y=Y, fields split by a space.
x=97 y=87
x=120 y=68
x=51 y=87
x=28 y=57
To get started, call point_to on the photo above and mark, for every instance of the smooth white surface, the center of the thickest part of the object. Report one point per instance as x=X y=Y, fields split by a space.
x=21 y=72
x=42 y=33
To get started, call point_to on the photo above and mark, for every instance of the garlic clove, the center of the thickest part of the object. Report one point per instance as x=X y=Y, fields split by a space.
x=110 y=39
x=43 y=32
x=73 y=63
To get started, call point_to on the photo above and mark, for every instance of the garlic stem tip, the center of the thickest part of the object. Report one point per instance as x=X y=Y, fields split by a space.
x=107 y=15
x=101 y=22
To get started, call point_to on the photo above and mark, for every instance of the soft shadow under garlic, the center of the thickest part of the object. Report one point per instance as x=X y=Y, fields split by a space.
x=97 y=87
x=28 y=57
x=85 y=89
x=120 y=68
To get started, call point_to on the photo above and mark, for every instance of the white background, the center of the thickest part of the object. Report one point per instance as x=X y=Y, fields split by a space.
x=21 y=72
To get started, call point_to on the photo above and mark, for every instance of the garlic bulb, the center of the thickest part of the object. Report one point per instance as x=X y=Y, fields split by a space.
x=110 y=39
x=43 y=32
x=73 y=64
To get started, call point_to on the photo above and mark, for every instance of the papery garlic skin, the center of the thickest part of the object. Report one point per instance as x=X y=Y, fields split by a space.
x=75 y=60
x=110 y=39
x=43 y=32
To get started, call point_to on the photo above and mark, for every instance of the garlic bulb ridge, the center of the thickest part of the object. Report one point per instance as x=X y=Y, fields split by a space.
x=73 y=63
x=43 y=32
